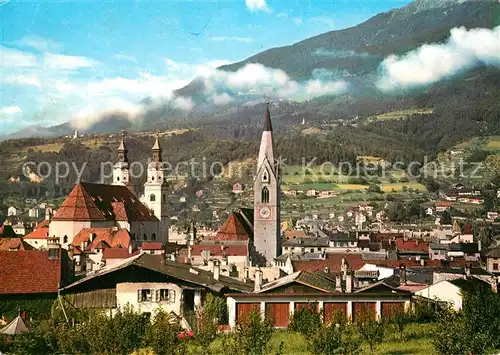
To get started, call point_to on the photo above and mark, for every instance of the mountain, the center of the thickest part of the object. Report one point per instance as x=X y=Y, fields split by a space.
x=358 y=51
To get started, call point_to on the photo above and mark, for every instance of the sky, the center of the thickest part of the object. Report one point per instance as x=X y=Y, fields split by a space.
x=64 y=60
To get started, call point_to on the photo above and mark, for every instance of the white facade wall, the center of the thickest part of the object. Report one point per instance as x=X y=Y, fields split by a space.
x=443 y=291
x=37 y=243
x=127 y=294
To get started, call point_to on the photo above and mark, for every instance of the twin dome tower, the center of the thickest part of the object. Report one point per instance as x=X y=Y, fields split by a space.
x=266 y=223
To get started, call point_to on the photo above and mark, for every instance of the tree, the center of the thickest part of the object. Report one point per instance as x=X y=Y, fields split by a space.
x=370 y=330
x=251 y=336
x=162 y=335
x=305 y=321
x=400 y=320
x=446 y=218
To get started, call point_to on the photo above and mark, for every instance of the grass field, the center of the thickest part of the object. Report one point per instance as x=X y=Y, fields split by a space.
x=397 y=115
x=399 y=186
x=50 y=147
x=354 y=187
x=416 y=341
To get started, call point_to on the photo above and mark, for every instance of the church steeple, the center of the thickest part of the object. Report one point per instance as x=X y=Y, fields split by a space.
x=122 y=150
x=268 y=126
x=157 y=149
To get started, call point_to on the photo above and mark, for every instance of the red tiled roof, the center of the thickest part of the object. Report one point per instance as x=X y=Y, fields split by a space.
x=406 y=263
x=411 y=245
x=152 y=246
x=443 y=203
x=220 y=250
x=234 y=228
x=39 y=233
x=25 y=272
x=99 y=202
x=115 y=238
x=117 y=253
x=44 y=223
x=14 y=244
x=332 y=261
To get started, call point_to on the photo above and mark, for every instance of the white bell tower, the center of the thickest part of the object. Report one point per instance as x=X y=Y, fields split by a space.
x=155 y=191
x=121 y=173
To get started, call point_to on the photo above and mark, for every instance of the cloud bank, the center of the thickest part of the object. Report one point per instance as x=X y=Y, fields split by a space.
x=465 y=49
x=257 y=5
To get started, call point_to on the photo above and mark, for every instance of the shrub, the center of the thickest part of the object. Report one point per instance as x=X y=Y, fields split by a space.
x=370 y=330
x=251 y=336
x=335 y=339
x=305 y=321
x=162 y=335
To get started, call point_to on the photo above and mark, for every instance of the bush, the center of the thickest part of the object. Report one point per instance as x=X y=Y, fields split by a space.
x=370 y=330
x=251 y=336
x=305 y=321
x=163 y=335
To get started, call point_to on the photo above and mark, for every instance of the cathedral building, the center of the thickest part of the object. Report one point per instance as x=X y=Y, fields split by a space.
x=266 y=227
x=116 y=206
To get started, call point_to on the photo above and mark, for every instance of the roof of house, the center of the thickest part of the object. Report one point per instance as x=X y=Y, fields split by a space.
x=494 y=253
x=14 y=244
x=44 y=223
x=152 y=246
x=118 y=253
x=183 y=272
x=112 y=237
x=307 y=242
x=341 y=236
x=7 y=231
x=333 y=261
x=317 y=280
x=220 y=249
x=38 y=233
x=26 y=272
x=99 y=202
x=236 y=227
x=291 y=234
x=412 y=245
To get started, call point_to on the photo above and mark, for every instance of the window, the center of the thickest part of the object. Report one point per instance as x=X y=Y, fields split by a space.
x=495 y=266
x=145 y=295
x=145 y=237
x=65 y=239
x=153 y=236
x=265 y=176
x=117 y=178
x=164 y=197
x=165 y=295
x=152 y=198
x=265 y=195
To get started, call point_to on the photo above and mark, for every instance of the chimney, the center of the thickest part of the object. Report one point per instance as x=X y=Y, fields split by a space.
x=130 y=248
x=348 y=283
x=216 y=270
x=467 y=271
x=479 y=246
x=211 y=265
x=258 y=280
x=48 y=213
x=338 y=283
x=402 y=275
x=422 y=262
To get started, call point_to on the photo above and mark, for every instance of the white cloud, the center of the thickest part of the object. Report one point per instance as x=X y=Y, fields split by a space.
x=233 y=39
x=39 y=43
x=221 y=99
x=10 y=110
x=315 y=87
x=22 y=79
x=433 y=62
x=298 y=21
x=282 y=14
x=67 y=62
x=13 y=58
x=257 y=5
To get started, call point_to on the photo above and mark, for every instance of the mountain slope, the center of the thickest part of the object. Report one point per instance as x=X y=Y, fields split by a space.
x=360 y=49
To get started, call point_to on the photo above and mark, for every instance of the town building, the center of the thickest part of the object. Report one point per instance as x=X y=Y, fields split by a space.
x=267 y=216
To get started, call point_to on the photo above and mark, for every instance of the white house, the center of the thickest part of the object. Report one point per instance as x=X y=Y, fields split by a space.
x=450 y=291
x=12 y=211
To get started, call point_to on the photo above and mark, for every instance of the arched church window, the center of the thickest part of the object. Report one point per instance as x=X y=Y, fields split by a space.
x=265 y=176
x=152 y=178
x=145 y=237
x=65 y=239
x=265 y=195
x=117 y=178
x=153 y=236
x=152 y=198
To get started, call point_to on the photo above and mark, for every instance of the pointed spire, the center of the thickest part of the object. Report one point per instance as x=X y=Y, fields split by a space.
x=122 y=149
x=268 y=127
x=157 y=148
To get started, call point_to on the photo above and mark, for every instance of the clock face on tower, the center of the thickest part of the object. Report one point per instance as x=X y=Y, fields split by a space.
x=264 y=212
